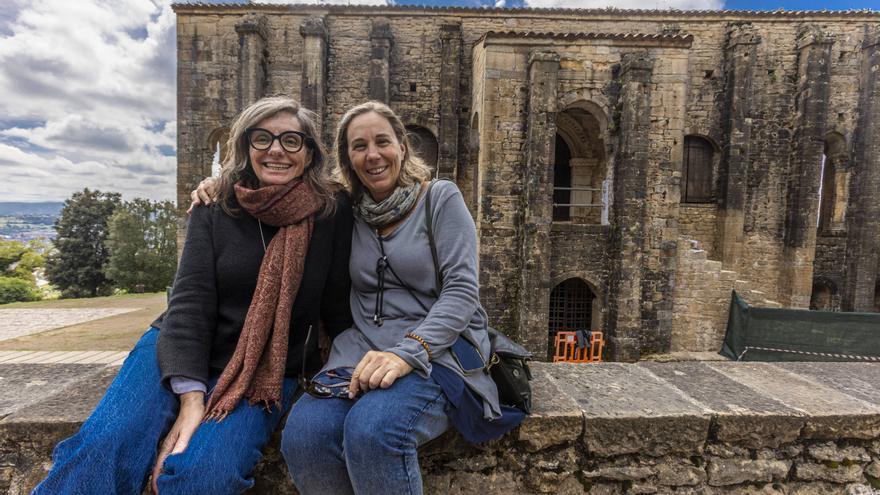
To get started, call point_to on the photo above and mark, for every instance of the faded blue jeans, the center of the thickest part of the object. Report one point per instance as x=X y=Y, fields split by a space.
x=367 y=446
x=115 y=450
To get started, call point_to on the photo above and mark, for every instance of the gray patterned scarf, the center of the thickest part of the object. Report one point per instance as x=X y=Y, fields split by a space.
x=389 y=210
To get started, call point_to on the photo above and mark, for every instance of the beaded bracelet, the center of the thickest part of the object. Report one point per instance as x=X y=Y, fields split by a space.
x=421 y=341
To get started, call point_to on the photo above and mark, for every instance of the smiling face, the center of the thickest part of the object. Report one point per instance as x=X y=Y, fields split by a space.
x=375 y=153
x=276 y=165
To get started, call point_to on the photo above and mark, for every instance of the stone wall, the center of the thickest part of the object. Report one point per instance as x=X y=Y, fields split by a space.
x=494 y=87
x=664 y=428
x=702 y=288
x=698 y=222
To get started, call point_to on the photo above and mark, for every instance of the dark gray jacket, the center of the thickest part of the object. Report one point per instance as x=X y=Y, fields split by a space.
x=216 y=279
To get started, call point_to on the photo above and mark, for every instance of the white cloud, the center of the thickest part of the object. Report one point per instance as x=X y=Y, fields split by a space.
x=628 y=4
x=87 y=95
x=30 y=176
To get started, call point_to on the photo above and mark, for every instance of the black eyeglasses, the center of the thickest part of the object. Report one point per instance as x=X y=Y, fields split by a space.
x=331 y=383
x=261 y=139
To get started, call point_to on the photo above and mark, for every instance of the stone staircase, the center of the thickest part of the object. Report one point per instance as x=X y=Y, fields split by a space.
x=701 y=299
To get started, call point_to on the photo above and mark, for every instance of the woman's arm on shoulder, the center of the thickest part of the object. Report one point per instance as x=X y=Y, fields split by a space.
x=335 y=303
x=186 y=336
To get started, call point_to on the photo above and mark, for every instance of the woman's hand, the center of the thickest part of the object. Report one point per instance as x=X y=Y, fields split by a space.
x=377 y=369
x=192 y=410
x=204 y=193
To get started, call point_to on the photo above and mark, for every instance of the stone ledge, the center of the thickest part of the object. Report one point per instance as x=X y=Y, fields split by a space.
x=692 y=427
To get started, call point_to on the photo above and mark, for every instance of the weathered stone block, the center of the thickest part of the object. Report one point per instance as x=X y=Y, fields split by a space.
x=829 y=451
x=676 y=472
x=620 y=473
x=723 y=472
x=833 y=472
x=556 y=418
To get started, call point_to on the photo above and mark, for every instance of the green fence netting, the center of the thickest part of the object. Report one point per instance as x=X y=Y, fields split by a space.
x=771 y=334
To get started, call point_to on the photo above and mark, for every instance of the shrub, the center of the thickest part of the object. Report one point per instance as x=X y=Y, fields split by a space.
x=16 y=289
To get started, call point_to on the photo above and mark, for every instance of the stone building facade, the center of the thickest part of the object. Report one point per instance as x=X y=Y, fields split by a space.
x=626 y=169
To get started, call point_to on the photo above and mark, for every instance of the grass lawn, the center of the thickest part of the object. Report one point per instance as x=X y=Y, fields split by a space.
x=114 y=333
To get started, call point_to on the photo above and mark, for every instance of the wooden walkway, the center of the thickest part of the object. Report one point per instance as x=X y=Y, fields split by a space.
x=112 y=358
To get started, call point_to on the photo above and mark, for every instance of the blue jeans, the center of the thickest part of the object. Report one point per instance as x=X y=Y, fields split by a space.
x=366 y=446
x=115 y=450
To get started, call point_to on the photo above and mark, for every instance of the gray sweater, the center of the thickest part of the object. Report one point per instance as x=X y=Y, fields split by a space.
x=456 y=310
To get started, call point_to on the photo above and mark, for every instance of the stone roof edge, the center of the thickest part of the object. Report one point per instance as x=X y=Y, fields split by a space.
x=678 y=39
x=758 y=14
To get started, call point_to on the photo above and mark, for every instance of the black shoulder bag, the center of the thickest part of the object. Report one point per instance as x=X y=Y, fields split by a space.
x=508 y=364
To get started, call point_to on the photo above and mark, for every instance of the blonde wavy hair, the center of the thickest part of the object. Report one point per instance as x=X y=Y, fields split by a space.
x=237 y=164
x=412 y=168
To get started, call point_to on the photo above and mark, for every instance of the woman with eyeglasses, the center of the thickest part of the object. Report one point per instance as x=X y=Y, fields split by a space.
x=413 y=362
x=262 y=269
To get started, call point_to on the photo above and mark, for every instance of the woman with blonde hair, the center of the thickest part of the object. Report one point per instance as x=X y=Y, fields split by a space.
x=261 y=269
x=414 y=361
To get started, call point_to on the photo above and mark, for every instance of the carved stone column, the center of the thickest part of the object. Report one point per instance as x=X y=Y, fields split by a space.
x=802 y=205
x=382 y=41
x=628 y=225
x=863 y=218
x=252 y=35
x=537 y=204
x=742 y=46
x=450 y=71
x=313 y=81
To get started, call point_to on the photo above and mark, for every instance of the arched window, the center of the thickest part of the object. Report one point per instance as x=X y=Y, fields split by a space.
x=217 y=148
x=424 y=143
x=834 y=188
x=571 y=308
x=696 y=171
x=562 y=181
x=825 y=296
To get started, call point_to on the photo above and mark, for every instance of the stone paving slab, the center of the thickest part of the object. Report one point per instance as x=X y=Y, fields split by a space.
x=628 y=409
x=860 y=380
x=741 y=414
x=19 y=322
x=556 y=417
x=22 y=385
x=829 y=413
x=74 y=403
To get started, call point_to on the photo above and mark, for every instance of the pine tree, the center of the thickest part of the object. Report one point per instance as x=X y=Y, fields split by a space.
x=76 y=265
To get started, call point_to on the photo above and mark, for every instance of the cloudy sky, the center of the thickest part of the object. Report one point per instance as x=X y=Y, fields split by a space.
x=87 y=89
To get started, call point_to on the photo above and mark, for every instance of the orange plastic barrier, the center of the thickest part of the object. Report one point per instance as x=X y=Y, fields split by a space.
x=567 y=350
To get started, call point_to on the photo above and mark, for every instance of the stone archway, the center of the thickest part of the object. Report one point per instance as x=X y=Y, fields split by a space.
x=580 y=168
x=424 y=144
x=834 y=188
x=825 y=295
x=574 y=305
x=217 y=142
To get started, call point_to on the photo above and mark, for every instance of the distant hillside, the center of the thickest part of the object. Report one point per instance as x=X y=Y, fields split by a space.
x=26 y=221
x=20 y=209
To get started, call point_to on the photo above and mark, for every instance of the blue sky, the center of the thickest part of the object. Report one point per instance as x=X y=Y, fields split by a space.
x=88 y=96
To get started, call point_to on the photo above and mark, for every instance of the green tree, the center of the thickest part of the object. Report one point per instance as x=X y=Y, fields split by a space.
x=76 y=265
x=11 y=253
x=17 y=264
x=143 y=245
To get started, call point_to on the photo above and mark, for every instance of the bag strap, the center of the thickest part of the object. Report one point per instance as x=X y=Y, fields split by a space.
x=429 y=216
